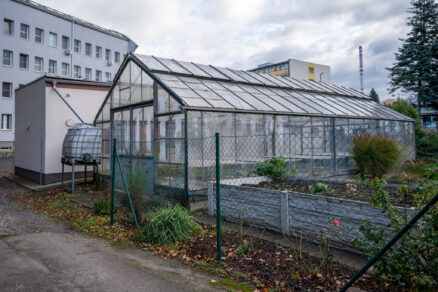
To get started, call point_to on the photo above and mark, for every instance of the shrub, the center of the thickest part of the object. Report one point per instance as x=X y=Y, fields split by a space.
x=169 y=225
x=275 y=168
x=375 y=155
x=136 y=180
x=412 y=262
x=102 y=207
x=427 y=145
x=318 y=187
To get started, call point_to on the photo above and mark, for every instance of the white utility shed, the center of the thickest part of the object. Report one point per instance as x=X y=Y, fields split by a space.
x=42 y=120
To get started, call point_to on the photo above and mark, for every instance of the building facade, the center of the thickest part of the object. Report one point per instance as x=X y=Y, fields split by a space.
x=296 y=69
x=37 y=40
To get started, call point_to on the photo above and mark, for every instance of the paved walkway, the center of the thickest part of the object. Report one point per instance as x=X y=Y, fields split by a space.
x=37 y=254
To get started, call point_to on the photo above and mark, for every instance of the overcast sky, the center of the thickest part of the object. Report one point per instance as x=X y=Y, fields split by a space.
x=241 y=34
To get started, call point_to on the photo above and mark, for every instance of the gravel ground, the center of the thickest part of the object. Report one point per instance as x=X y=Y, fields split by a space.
x=16 y=219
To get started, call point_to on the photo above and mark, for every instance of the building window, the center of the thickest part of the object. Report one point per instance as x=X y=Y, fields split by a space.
x=311 y=70
x=38 y=64
x=6 y=121
x=39 y=35
x=65 y=69
x=98 y=75
x=116 y=57
x=77 y=46
x=77 y=71
x=24 y=61
x=53 y=39
x=6 y=90
x=7 y=58
x=24 y=31
x=88 y=74
x=108 y=76
x=8 y=27
x=269 y=70
x=98 y=52
x=52 y=67
x=65 y=42
x=107 y=55
x=88 y=49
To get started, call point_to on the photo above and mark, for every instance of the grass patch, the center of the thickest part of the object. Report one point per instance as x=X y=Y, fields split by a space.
x=230 y=285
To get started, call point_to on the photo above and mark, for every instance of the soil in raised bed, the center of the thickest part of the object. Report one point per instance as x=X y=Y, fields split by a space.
x=336 y=190
x=271 y=266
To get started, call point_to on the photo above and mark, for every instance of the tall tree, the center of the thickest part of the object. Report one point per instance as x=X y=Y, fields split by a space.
x=374 y=96
x=416 y=67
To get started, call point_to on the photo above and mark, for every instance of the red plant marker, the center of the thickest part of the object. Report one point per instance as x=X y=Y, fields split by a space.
x=336 y=222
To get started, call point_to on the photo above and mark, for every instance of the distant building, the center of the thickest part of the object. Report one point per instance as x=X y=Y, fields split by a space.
x=37 y=40
x=429 y=118
x=389 y=102
x=296 y=69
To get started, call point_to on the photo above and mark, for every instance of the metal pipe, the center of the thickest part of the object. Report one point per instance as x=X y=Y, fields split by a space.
x=66 y=102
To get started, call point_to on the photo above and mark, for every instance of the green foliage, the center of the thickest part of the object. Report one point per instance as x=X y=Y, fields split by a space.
x=168 y=226
x=375 y=155
x=275 y=168
x=416 y=68
x=318 y=187
x=136 y=180
x=374 y=96
x=406 y=108
x=102 y=207
x=243 y=249
x=423 y=169
x=413 y=261
x=427 y=146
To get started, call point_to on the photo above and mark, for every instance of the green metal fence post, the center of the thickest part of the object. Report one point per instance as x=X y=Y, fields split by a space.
x=390 y=243
x=113 y=178
x=218 y=199
x=127 y=192
x=186 y=162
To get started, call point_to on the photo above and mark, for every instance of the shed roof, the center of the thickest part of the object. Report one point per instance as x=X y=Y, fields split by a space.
x=208 y=87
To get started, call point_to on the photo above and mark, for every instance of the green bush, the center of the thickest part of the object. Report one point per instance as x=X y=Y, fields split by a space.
x=318 y=187
x=102 y=207
x=375 y=155
x=413 y=261
x=169 y=225
x=275 y=168
x=427 y=145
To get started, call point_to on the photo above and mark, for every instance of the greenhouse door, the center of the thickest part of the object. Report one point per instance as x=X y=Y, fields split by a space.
x=133 y=129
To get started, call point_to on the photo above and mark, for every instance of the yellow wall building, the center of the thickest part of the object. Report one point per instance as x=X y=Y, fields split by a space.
x=296 y=69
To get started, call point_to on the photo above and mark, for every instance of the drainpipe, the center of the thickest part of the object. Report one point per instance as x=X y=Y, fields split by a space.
x=66 y=102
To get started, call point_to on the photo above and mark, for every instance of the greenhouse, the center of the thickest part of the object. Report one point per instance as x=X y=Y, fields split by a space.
x=164 y=114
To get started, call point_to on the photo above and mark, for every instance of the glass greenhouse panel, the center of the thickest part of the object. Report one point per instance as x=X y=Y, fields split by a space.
x=324 y=103
x=286 y=102
x=135 y=83
x=271 y=102
x=246 y=77
x=172 y=66
x=242 y=94
x=152 y=63
x=212 y=71
x=266 y=81
x=147 y=87
x=192 y=68
x=230 y=74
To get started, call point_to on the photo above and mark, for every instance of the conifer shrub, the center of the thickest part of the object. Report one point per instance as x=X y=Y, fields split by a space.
x=375 y=155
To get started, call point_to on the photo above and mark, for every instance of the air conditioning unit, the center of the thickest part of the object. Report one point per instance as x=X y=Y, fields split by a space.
x=110 y=63
x=67 y=52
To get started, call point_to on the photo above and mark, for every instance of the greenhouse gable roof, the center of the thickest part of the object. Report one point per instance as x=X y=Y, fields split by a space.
x=208 y=87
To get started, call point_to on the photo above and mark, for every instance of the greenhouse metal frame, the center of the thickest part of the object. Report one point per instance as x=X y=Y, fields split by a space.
x=164 y=114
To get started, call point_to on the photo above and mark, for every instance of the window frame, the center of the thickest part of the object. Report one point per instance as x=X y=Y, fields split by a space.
x=10 y=25
x=77 y=73
x=8 y=122
x=11 y=58
x=65 y=40
x=107 y=55
x=77 y=44
x=88 y=74
x=26 y=31
x=108 y=74
x=98 y=76
x=42 y=64
x=26 y=59
x=55 y=35
x=88 y=49
x=10 y=89
x=55 y=67
x=98 y=52
x=116 y=57
x=67 y=69
x=41 y=36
